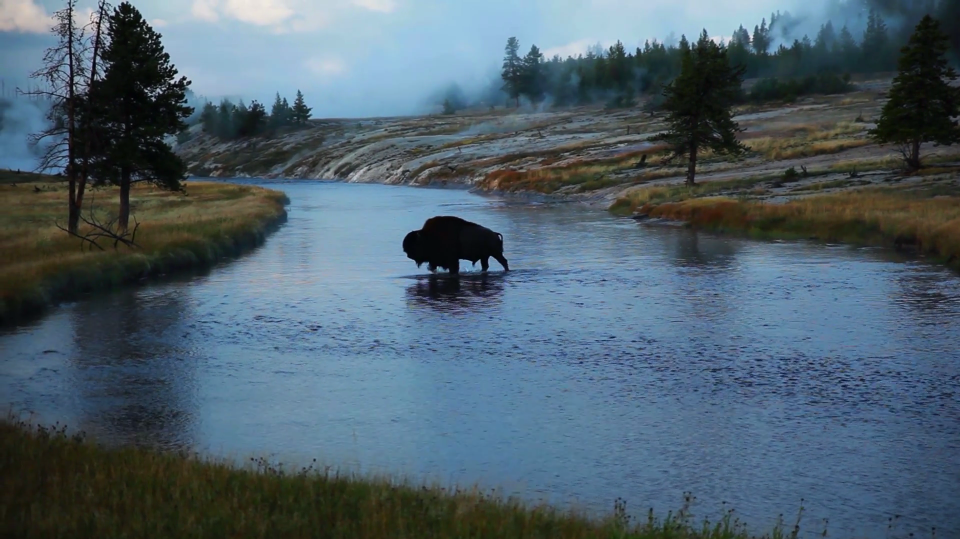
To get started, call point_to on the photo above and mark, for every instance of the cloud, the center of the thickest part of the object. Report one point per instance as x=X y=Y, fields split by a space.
x=326 y=66
x=23 y=16
x=255 y=12
x=205 y=10
x=158 y=23
x=259 y=12
x=383 y=6
x=283 y=16
x=574 y=48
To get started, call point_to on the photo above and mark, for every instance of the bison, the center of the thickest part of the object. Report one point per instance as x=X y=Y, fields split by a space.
x=445 y=240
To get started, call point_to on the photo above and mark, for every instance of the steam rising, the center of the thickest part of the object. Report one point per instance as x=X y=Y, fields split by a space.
x=19 y=118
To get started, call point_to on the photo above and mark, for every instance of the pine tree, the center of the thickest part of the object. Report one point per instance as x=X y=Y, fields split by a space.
x=448 y=107
x=278 y=113
x=254 y=120
x=761 y=38
x=143 y=102
x=875 y=42
x=238 y=119
x=921 y=101
x=225 y=127
x=512 y=71
x=300 y=112
x=699 y=104
x=532 y=81
x=208 y=118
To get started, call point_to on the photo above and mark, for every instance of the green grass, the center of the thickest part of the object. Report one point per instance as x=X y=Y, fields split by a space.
x=41 y=265
x=61 y=485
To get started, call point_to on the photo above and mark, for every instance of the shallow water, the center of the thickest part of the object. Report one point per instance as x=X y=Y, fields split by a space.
x=613 y=360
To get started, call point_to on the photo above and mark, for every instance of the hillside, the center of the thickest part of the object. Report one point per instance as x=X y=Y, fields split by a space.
x=586 y=153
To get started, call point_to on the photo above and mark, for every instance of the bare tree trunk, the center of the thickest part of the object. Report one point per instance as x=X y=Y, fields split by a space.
x=77 y=207
x=915 y=155
x=124 y=218
x=71 y=126
x=692 y=168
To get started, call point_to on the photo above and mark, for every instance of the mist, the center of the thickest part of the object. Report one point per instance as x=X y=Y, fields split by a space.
x=400 y=57
x=19 y=118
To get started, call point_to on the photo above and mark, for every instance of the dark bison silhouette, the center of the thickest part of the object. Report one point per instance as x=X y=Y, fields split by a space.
x=444 y=240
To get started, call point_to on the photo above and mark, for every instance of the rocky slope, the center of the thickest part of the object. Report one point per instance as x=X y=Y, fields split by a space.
x=587 y=153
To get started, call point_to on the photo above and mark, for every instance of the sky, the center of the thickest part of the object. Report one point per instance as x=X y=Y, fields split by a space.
x=353 y=58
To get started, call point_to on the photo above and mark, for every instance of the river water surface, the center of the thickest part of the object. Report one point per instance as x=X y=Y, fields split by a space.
x=614 y=360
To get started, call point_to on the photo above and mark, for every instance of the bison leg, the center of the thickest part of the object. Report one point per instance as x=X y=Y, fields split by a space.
x=454 y=267
x=502 y=261
x=485 y=263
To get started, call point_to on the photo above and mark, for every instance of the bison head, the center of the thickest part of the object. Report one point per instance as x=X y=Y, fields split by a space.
x=411 y=246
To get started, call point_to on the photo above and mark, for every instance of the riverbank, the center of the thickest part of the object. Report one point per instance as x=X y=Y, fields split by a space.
x=920 y=213
x=89 y=490
x=42 y=265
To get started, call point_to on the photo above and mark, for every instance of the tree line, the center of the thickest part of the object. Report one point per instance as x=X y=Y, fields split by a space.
x=228 y=121
x=822 y=64
x=114 y=97
x=922 y=106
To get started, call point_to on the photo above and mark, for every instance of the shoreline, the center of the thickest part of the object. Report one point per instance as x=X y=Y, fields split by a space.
x=587 y=155
x=194 y=494
x=67 y=277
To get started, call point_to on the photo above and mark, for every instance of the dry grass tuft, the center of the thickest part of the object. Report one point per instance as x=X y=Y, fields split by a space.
x=809 y=141
x=925 y=219
x=41 y=264
x=57 y=485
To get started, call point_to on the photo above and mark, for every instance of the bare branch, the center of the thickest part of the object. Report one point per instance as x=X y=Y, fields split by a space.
x=101 y=230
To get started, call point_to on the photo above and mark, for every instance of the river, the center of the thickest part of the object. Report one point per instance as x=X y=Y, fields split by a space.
x=613 y=360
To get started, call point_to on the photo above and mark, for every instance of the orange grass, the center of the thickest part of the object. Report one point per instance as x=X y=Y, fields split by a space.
x=41 y=265
x=873 y=216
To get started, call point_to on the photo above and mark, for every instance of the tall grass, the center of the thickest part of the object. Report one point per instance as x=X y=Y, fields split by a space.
x=925 y=219
x=809 y=141
x=41 y=265
x=61 y=485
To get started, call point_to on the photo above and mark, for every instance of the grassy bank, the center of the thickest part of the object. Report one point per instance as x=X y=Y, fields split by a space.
x=41 y=265
x=923 y=216
x=60 y=485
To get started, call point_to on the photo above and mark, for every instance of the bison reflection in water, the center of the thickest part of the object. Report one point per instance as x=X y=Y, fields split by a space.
x=445 y=240
x=456 y=293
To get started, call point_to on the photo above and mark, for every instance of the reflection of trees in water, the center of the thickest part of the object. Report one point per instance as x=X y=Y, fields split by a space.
x=455 y=294
x=134 y=378
x=694 y=250
x=708 y=282
x=929 y=292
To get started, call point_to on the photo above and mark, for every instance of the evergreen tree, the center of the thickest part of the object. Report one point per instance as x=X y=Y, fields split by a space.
x=532 y=81
x=238 y=119
x=208 y=118
x=300 y=112
x=875 y=42
x=761 y=38
x=254 y=121
x=699 y=104
x=949 y=16
x=512 y=70
x=279 y=113
x=225 y=120
x=143 y=102
x=922 y=102
x=847 y=50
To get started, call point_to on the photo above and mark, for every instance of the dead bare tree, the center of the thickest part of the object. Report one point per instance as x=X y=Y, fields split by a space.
x=88 y=133
x=100 y=230
x=63 y=69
